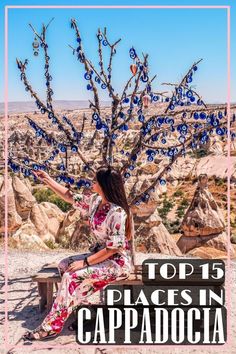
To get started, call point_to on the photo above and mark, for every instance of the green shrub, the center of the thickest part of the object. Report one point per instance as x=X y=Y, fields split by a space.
x=47 y=195
x=184 y=203
x=64 y=206
x=42 y=195
x=178 y=193
x=180 y=212
x=172 y=226
x=166 y=207
x=198 y=153
x=182 y=207
x=219 y=181
x=65 y=242
x=50 y=244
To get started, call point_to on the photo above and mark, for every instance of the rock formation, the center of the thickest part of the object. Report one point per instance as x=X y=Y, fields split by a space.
x=215 y=145
x=203 y=223
x=55 y=216
x=141 y=183
x=14 y=219
x=68 y=226
x=36 y=225
x=23 y=197
x=182 y=168
x=33 y=224
x=26 y=237
x=39 y=218
x=203 y=216
x=152 y=235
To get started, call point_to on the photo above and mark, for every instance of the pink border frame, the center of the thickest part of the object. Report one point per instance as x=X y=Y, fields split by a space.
x=8 y=345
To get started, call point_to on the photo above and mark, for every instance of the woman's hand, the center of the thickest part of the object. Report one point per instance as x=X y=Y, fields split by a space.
x=62 y=191
x=42 y=176
x=77 y=265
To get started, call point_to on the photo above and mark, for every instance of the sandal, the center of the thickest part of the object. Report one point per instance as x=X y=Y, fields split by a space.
x=37 y=334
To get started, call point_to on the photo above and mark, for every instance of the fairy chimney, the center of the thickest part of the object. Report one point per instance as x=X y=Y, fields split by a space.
x=203 y=223
x=203 y=216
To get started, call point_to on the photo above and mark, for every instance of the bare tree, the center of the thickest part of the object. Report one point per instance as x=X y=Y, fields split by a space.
x=175 y=130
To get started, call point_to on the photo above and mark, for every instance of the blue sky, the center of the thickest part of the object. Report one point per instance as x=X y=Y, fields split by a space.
x=174 y=39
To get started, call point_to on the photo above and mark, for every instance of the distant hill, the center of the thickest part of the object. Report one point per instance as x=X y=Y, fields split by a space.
x=29 y=106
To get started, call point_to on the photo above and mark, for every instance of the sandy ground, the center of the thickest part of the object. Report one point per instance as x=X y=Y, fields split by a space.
x=23 y=310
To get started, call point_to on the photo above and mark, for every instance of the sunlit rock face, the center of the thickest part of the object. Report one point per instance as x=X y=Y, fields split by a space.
x=14 y=219
x=203 y=223
x=23 y=197
x=203 y=217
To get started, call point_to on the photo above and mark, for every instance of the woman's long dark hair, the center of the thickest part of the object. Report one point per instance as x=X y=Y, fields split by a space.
x=112 y=186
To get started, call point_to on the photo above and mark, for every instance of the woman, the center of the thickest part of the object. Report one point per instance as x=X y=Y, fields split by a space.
x=111 y=223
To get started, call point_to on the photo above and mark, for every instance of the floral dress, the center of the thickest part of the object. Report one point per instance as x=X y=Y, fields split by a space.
x=108 y=230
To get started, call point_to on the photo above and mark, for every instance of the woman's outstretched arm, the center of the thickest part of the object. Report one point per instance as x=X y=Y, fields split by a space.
x=63 y=192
